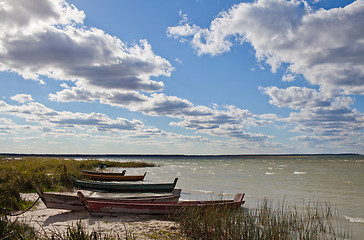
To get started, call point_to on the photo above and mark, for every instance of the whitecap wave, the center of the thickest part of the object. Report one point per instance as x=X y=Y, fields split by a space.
x=269 y=173
x=298 y=173
x=202 y=191
x=355 y=219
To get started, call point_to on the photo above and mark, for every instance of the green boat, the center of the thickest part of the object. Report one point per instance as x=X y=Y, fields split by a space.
x=125 y=187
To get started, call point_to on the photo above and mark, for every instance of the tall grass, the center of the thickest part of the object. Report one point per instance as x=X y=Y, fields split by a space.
x=79 y=232
x=52 y=174
x=314 y=221
x=13 y=230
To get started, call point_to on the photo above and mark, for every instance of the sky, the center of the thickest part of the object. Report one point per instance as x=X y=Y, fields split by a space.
x=181 y=77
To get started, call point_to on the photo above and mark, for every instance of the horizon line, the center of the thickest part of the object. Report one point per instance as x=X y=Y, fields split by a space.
x=171 y=155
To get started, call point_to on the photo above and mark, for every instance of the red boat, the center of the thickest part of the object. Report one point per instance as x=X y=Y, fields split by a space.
x=102 y=208
x=110 y=176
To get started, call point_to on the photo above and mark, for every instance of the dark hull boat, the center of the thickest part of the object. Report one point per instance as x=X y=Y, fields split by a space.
x=125 y=187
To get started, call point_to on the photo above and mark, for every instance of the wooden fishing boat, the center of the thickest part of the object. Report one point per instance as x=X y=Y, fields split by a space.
x=125 y=187
x=102 y=176
x=73 y=202
x=102 y=208
x=104 y=173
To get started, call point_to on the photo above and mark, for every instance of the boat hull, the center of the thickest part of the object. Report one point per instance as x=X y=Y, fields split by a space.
x=111 y=177
x=125 y=187
x=73 y=202
x=100 y=208
x=105 y=173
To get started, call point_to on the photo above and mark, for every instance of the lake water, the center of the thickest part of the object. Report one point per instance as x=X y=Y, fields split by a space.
x=338 y=180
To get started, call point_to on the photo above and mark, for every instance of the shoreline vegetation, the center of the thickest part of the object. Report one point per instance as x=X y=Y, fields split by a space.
x=267 y=221
x=91 y=156
x=19 y=175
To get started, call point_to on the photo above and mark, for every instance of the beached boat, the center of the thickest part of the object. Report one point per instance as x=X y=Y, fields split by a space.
x=73 y=202
x=102 y=208
x=125 y=187
x=104 y=173
x=107 y=176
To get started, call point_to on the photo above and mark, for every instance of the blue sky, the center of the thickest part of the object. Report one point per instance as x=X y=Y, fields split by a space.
x=181 y=77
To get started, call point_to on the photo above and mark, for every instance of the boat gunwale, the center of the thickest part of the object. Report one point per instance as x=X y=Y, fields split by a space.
x=124 y=187
x=102 y=208
x=104 y=173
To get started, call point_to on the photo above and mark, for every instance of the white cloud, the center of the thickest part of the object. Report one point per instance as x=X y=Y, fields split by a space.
x=336 y=120
x=38 y=113
x=33 y=16
x=53 y=42
x=44 y=42
x=296 y=97
x=318 y=117
x=183 y=16
x=22 y=98
x=198 y=118
x=325 y=46
x=288 y=77
x=45 y=124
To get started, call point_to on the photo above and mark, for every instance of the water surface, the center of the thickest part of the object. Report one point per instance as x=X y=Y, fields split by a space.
x=338 y=180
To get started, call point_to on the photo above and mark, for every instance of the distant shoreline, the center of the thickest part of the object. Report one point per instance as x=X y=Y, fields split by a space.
x=170 y=155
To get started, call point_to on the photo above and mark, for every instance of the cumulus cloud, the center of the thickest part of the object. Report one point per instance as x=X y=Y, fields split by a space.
x=38 y=113
x=22 y=98
x=6 y=126
x=229 y=122
x=42 y=122
x=50 y=40
x=338 y=119
x=319 y=119
x=325 y=46
x=296 y=97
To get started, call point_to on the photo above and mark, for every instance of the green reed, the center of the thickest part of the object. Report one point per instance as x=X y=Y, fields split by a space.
x=78 y=231
x=313 y=221
x=14 y=230
x=52 y=174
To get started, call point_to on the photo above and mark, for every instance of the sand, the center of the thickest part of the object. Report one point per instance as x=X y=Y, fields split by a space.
x=53 y=221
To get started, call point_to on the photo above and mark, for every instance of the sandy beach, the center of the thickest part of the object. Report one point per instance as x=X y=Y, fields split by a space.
x=53 y=221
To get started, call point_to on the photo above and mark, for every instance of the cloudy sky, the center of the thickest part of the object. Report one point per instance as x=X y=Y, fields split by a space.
x=182 y=77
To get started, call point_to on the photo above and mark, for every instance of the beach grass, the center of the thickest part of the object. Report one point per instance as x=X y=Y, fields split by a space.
x=14 y=230
x=313 y=221
x=51 y=174
x=78 y=231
